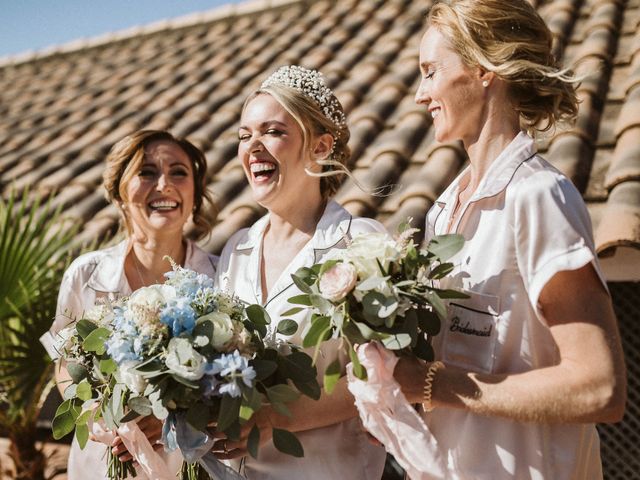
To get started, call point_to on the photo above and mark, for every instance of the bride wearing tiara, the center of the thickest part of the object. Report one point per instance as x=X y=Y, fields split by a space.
x=293 y=147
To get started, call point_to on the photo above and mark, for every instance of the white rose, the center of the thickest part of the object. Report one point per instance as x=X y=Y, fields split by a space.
x=183 y=360
x=134 y=381
x=368 y=249
x=152 y=296
x=338 y=281
x=223 y=328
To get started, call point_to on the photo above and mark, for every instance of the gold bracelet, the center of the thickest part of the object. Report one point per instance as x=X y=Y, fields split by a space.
x=428 y=385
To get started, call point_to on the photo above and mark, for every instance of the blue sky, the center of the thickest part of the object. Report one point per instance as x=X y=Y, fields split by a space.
x=34 y=24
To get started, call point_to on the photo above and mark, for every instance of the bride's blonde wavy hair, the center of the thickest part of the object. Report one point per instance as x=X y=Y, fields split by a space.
x=510 y=39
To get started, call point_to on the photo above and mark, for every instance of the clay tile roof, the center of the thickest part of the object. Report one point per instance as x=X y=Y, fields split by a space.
x=62 y=108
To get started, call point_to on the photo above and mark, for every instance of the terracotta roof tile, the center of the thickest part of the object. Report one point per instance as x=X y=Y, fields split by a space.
x=61 y=111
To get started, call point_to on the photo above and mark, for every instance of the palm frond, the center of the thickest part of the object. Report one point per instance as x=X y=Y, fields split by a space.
x=33 y=255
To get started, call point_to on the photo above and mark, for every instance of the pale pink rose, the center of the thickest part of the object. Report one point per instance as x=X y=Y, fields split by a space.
x=338 y=281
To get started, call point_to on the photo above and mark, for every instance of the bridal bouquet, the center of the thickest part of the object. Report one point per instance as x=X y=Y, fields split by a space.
x=187 y=354
x=378 y=288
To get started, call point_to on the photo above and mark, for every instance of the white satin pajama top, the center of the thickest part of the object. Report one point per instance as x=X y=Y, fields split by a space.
x=340 y=451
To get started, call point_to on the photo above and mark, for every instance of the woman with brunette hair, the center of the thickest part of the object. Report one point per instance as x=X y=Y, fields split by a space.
x=157 y=182
x=293 y=147
x=532 y=359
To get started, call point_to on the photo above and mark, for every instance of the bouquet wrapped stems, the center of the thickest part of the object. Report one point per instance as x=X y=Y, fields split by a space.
x=117 y=469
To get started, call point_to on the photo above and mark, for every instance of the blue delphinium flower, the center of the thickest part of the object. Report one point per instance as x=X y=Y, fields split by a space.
x=232 y=368
x=187 y=282
x=179 y=316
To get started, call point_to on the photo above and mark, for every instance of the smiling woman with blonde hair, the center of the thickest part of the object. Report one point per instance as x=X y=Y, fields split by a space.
x=532 y=359
x=293 y=146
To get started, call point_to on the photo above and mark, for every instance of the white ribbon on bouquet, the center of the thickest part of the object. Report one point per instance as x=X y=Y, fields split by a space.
x=387 y=415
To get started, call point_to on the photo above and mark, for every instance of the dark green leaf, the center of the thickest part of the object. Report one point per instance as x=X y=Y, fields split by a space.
x=292 y=311
x=311 y=388
x=298 y=367
x=287 y=327
x=198 y=416
x=423 y=349
x=282 y=393
x=287 y=443
x=441 y=270
x=302 y=286
x=253 y=442
x=428 y=321
x=332 y=375
x=130 y=415
x=203 y=328
x=229 y=411
x=437 y=304
x=264 y=368
x=304 y=299
x=258 y=315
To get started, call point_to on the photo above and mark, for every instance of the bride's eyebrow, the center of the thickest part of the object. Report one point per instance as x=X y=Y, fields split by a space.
x=268 y=123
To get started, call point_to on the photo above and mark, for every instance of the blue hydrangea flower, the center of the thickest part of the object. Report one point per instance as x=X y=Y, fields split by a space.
x=120 y=349
x=179 y=316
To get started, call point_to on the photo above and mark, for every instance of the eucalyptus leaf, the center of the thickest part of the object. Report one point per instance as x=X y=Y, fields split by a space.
x=397 y=341
x=287 y=443
x=83 y=392
x=77 y=372
x=95 y=341
x=301 y=284
x=428 y=321
x=332 y=375
x=292 y=311
x=203 y=328
x=84 y=327
x=445 y=246
x=358 y=370
x=129 y=416
x=441 y=270
x=437 y=304
x=82 y=435
x=140 y=405
x=287 y=327
x=108 y=366
x=258 y=315
x=319 y=331
x=423 y=349
x=304 y=299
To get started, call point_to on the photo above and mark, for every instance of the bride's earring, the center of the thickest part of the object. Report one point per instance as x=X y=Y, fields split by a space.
x=485 y=83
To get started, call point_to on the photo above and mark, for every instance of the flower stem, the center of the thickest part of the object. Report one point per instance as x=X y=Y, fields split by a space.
x=118 y=470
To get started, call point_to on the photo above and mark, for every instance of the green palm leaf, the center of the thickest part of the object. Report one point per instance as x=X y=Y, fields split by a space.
x=34 y=248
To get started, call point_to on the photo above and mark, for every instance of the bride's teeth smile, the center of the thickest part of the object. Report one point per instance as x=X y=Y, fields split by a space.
x=262 y=169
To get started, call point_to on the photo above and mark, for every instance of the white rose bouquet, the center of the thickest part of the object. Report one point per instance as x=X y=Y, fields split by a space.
x=187 y=354
x=378 y=288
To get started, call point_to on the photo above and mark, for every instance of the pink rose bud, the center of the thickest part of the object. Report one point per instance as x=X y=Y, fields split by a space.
x=338 y=281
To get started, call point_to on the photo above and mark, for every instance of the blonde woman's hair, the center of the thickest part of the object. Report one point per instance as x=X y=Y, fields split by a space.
x=510 y=39
x=125 y=160
x=313 y=122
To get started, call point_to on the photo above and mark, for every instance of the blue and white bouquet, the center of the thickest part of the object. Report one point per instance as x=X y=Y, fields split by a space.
x=188 y=354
